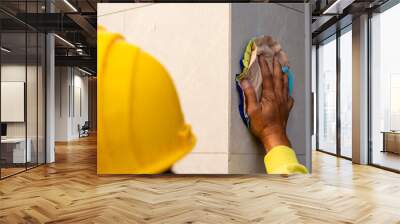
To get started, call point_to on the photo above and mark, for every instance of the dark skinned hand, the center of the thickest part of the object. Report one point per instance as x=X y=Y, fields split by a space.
x=269 y=116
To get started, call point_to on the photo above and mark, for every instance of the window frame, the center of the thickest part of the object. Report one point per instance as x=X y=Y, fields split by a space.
x=334 y=37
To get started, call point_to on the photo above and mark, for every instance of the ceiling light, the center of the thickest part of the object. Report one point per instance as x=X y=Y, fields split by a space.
x=80 y=51
x=84 y=71
x=338 y=6
x=64 y=40
x=70 y=5
x=5 y=50
x=328 y=10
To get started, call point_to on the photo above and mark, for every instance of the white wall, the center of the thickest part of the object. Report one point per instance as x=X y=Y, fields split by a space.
x=68 y=83
x=12 y=73
x=61 y=103
x=80 y=97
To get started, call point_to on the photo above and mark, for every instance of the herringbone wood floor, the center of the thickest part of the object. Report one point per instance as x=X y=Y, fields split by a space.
x=69 y=191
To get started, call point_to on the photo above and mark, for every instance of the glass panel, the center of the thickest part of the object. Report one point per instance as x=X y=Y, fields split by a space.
x=385 y=88
x=346 y=94
x=32 y=88
x=31 y=100
x=327 y=96
x=314 y=90
x=13 y=94
x=22 y=87
x=41 y=98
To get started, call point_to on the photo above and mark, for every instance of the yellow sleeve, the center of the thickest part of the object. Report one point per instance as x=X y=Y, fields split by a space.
x=282 y=160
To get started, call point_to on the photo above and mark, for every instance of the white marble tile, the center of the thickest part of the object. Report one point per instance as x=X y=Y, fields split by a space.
x=112 y=23
x=191 y=41
x=115 y=8
x=203 y=163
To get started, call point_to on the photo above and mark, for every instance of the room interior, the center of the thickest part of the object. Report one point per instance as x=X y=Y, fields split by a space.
x=22 y=101
x=26 y=65
x=48 y=170
x=332 y=55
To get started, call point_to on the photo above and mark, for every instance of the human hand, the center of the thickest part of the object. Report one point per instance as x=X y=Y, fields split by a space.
x=269 y=116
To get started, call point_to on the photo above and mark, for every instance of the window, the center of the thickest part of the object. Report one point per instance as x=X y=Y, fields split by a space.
x=334 y=62
x=385 y=89
x=22 y=77
x=326 y=138
x=346 y=93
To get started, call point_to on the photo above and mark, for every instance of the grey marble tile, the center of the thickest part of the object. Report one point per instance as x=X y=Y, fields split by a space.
x=297 y=7
x=288 y=27
x=246 y=163
x=250 y=163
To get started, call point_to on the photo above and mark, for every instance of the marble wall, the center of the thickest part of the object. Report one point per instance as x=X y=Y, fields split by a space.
x=200 y=45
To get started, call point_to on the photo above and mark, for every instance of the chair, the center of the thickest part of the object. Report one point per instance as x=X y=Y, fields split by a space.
x=84 y=130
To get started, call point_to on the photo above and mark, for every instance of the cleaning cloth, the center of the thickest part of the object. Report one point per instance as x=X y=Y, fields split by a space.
x=266 y=47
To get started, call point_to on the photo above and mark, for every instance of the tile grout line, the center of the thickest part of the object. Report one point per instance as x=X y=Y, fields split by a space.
x=288 y=7
x=128 y=9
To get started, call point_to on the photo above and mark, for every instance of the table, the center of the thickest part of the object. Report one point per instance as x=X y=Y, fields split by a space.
x=16 y=148
x=391 y=141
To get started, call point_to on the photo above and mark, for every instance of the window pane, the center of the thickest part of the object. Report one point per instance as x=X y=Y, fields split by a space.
x=345 y=94
x=22 y=89
x=31 y=100
x=327 y=96
x=14 y=144
x=385 y=84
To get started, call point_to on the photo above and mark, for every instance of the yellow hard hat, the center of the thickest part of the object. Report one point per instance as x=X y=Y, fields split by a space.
x=141 y=128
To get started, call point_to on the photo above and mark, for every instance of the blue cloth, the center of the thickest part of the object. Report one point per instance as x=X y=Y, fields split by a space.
x=286 y=70
x=241 y=107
